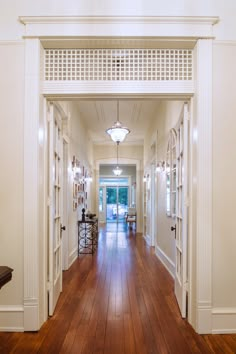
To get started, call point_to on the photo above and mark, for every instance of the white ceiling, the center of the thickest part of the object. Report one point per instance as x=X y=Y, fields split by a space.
x=99 y=115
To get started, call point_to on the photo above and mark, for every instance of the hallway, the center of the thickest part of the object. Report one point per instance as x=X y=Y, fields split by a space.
x=120 y=300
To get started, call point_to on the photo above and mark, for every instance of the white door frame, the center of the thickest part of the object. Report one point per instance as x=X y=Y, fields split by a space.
x=198 y=28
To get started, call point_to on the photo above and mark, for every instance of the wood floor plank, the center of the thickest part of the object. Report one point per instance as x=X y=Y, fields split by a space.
x=118 y=301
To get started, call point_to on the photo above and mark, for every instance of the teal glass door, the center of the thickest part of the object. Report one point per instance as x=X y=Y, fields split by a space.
x=122 y=202
x=111 y=201
x=116 y=203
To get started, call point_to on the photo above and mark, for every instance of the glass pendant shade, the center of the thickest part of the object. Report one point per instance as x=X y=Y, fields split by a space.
x=117 y=171
x=117 y=132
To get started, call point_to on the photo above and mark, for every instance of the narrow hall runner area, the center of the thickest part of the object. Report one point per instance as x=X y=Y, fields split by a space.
x=118 y=301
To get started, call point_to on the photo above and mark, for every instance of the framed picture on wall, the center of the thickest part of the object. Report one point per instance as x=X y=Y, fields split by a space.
x=75 y=205
x=75 y=190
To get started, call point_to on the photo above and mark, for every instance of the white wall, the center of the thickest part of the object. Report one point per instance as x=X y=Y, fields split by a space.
x=11 y=172
x=224 y=175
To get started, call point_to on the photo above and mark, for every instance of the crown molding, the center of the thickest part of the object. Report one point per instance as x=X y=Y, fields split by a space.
x=118 y=19
x=118 y=26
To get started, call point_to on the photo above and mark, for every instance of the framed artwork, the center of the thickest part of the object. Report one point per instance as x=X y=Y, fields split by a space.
x=75 y=190
x=75 y=205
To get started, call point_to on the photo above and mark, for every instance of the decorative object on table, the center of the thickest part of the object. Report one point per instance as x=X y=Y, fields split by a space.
x=83 y=215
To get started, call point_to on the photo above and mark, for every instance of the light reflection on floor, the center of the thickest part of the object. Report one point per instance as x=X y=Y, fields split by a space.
x=116 y=235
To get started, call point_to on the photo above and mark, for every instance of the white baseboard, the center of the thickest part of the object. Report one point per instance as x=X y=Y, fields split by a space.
x=11 y=318
x=223 y=320
x=147 y=239
x=165 y=260
x=73 y=255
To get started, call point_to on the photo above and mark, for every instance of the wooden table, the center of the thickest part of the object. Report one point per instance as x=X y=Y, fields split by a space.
x=5 y=275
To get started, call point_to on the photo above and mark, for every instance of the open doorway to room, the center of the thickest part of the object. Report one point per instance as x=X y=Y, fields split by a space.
x=116 y=194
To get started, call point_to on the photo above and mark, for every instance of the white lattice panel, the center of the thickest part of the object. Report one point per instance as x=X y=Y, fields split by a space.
x=118 y=64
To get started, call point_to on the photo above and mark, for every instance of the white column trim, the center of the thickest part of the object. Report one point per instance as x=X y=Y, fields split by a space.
x=31 y=185
x=204 y=186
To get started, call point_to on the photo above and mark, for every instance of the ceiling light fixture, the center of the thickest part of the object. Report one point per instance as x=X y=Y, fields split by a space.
x=117 y=171
x=117 y=132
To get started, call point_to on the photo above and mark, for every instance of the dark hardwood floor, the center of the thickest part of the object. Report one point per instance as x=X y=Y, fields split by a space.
x=120 y=300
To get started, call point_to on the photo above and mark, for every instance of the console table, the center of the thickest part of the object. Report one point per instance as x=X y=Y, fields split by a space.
x=87 y=235
x=5 y=275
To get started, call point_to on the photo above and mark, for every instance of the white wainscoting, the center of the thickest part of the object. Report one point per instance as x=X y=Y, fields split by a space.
x=165 y=260
x=223 y=320
x=11 y=318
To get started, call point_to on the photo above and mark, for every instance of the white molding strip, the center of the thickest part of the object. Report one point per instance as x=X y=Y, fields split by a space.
x=223 y=320
x=11 y=318
x=13 y=42
x=126 y=87
x=225 y=43
x=204 y=186
x=73 y=255
x=176 y=27
x=165 y=260
x=31 y=186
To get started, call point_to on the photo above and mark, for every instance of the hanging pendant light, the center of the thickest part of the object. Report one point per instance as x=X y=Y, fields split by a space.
x=117 y=132
x=117 y=171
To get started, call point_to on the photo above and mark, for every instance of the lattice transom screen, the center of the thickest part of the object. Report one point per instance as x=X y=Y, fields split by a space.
x=118 y=64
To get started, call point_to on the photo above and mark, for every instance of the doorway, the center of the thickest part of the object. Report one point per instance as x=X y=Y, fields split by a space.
x=202 y=112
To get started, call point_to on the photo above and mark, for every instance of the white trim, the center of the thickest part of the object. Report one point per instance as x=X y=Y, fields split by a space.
x=72 y=26
x=165 y=260
x=73 y=255
x=109 y=87
x=122 y=160
x=11 y=318
x=203 y=101
x=210 y=20
x=13 y=42
x=11 y=308
x=31 y=185
x=226 y=43
x=223 y=320
x=204 y=319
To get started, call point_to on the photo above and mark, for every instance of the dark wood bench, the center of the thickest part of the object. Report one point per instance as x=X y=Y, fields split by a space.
x=5 y=275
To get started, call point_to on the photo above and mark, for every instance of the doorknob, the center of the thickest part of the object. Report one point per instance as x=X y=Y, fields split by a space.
x=63 y=228
x=173 y=228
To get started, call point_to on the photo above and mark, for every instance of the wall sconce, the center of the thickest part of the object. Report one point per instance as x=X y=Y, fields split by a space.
x=144 y=178
x=160 y=166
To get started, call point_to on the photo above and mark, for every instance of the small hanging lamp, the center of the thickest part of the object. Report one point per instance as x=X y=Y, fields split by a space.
x=117 y=132
x=117 y=171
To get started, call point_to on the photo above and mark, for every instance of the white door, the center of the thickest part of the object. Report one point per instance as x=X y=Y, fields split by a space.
x=55 y=207
x=182 y=211
x=65 y=240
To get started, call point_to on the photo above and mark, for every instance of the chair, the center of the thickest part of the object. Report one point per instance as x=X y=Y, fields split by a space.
x=131 y=217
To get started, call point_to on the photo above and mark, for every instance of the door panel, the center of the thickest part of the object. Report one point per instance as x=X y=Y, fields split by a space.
x=55 y=208
x=122 y=202
x=111 y=202
x=182 y=211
